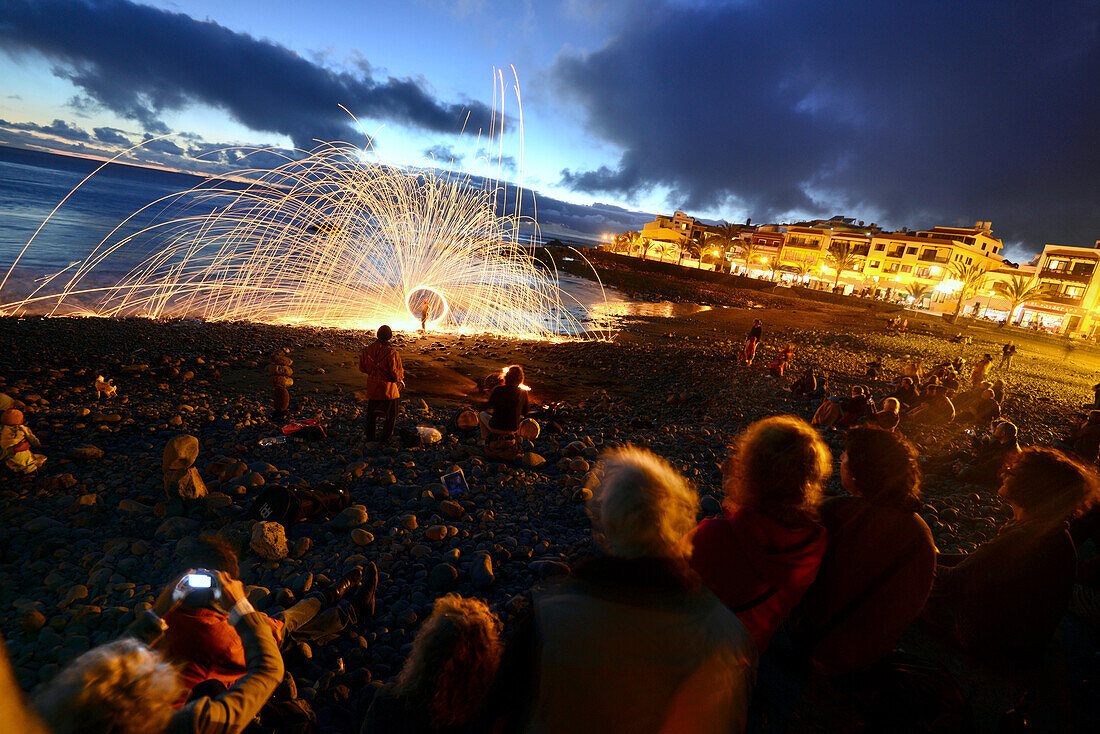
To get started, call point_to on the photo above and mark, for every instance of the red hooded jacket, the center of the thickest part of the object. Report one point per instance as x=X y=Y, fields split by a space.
x=207 y=646
x=757 y=567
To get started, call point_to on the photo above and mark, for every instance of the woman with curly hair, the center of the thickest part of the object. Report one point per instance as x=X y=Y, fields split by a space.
x=880 y=560
x=443 y=684
x=1003 y=601
x=762 y=555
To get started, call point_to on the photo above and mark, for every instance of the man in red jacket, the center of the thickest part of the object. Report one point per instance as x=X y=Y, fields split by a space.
x=381 y=363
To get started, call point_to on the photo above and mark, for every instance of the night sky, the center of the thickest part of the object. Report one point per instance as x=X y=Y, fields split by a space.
x=902 y=113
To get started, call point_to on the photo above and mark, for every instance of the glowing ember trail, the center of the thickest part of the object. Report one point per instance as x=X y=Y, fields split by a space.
x=328 y=240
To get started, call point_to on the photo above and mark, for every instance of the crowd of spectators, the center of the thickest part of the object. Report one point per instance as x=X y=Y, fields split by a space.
x=675 y=624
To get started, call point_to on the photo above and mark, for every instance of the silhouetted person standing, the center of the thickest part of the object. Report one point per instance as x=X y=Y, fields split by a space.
x=757 y=330
x=381 y=363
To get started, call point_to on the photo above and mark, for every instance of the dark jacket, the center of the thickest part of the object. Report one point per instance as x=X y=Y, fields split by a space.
x=1004 y=600
x=629 y=646
x=873 y=582
x=509 y=406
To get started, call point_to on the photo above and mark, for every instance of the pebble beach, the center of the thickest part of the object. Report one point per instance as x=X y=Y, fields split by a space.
x=91 y=540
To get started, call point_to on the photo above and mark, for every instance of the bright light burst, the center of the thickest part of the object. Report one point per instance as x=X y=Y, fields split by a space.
x=332 y=239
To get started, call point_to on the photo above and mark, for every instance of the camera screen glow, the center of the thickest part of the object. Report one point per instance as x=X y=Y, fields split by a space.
x=198 y=581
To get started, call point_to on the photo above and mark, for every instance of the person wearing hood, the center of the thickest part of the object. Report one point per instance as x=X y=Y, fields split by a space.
x=381 y=363
x=763 y=553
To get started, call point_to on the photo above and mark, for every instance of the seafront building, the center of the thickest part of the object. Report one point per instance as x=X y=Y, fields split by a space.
x=895 y=265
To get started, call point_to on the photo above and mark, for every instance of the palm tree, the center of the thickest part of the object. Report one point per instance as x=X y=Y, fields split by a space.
x=690 y=247
x=715 y=246
x=970 y=278
x=648 y=244
x=842 y=257
x=918 y=291
x=803 y=269
x=1019 y=290
x=625 y=241
x=775 y=268
x=727 y=236
x=748 y=251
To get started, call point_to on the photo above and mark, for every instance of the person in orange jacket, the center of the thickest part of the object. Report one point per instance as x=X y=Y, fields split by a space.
x=381 y=363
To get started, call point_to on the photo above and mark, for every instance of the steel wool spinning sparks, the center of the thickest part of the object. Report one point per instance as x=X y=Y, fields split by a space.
x=329 y=240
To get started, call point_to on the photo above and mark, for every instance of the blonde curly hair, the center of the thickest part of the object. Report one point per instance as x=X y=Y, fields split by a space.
x=640 y=505
x=122 y=687
x=453 y=661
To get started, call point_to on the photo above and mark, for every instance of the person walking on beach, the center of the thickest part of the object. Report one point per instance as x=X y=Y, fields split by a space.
x=381 y=363
x=749 y=353
x=1008 y=351
x=757 y=331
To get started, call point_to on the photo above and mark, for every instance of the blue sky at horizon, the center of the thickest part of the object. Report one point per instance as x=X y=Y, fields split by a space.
x=899 y=113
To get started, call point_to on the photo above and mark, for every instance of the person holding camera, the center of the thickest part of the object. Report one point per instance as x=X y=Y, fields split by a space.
x=205 y=646
x=127 y=687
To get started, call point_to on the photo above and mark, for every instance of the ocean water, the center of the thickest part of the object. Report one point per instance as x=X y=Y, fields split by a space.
x=33 y=183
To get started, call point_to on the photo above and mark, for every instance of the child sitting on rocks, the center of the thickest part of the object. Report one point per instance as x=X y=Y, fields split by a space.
x=16 y=441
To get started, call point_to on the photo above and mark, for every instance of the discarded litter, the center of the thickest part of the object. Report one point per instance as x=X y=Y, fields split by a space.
x=429 y=434
x=272 y=440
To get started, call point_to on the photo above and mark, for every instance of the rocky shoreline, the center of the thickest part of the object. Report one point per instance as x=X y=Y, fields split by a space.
x=90 y=541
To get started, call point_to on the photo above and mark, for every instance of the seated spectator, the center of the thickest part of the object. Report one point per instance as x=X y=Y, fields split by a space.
x=998 y=391
x=633 y=642
x=989 y=456
x=913 y=370
x=762 y=555
x=205 y=646
x=124 y=687
x=880 y=562
x=874 y=368
x=1084 y=440
x=981 y=369
x=887 y=418
x=828 y=413
x=806 y=385
x=782 y=359
x=507 y=405
x=936 y=409
x=1003 y=601
x=444 y=683
x=856 y=407
x=983 y=410
x=907 y=393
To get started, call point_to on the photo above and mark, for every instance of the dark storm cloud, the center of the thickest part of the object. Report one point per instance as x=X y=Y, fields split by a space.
x=443 y=154
x=140 y=62
x=162 y=145
x=111 y=135
x=58 y=128
x=908 y=113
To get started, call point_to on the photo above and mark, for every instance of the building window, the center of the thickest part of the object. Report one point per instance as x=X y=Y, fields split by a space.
x=879 y=246
x=924 y=273
x=892 y=267
x=906 y=268
x=910 y=251
x=1074 y=291
x=876 y=263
